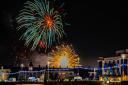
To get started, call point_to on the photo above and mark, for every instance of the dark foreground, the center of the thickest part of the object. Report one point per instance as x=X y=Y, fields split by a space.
x=64 y=83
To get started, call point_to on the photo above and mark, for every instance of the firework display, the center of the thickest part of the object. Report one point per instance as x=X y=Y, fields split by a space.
x=63 y=56
x=41 y=23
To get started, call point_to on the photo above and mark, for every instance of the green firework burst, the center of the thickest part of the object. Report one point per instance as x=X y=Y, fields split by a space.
x=41 y=22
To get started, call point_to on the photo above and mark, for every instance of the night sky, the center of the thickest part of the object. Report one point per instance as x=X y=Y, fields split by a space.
x=98 y=28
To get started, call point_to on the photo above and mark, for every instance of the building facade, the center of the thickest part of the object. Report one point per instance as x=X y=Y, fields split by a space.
x=117 y=65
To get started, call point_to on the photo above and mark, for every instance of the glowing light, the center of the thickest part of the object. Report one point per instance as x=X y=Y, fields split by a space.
x=48 y=21
x=100 y=78
x=63 y=56
x=41 y=44
x=64 y=61
x=123 y=56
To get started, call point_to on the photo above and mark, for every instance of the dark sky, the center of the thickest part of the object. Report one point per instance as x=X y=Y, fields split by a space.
x=98 y=28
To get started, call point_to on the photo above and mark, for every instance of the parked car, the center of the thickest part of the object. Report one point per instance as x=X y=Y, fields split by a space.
x=77 y=78
x=32 y=79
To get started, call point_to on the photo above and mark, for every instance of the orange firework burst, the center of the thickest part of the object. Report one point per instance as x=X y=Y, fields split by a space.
x=63 y=56
x=48 y=21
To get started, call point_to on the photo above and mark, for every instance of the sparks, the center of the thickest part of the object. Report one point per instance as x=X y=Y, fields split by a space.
x=41 y=22
x=63 y=56
x=48 y=21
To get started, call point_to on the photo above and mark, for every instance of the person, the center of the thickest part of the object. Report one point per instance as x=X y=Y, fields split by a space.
x=30 y=64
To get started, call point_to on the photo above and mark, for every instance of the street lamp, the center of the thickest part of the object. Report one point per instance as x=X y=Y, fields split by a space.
x=94 y=73
x=48 y=70
x=123 y=57
x=21 y=66
x=78 y=64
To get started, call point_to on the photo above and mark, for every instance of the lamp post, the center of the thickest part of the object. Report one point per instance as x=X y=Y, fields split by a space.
x=48 y=70
x=123 y=57
x=21 y=66
x=94 y=73
x=78 y=64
